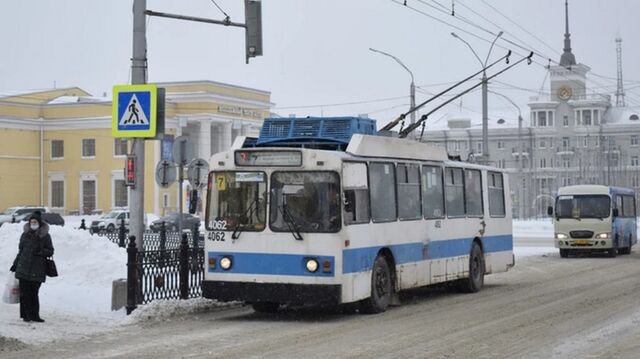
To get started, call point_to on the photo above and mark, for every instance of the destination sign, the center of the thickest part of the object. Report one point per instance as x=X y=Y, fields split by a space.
x=268 y=158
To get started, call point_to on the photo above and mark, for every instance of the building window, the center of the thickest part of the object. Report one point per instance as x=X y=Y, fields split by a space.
x=566 y=181
x=501 y=145
x=566 y=143
x=635 y=181
x=550 y=118
x=585 y=141
x=479 y=147
x=634 y=161
x=542 y=119
x=597 y=140
x=565 y=121
x=634 y=140
x=578 y=118
x=566 y=163
x=542 y=143
x=120 y=193
x=119 y=146
x=57 y=194
x=596 y=117
x=88 y=148
x=534 y=120
x=543 y=163
x=586 y=117
x=57 y=149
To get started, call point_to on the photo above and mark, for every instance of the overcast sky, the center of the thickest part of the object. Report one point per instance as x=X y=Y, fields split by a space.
x=317 y=52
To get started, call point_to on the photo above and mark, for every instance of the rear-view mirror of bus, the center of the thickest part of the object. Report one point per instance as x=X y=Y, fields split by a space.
x=550 y=210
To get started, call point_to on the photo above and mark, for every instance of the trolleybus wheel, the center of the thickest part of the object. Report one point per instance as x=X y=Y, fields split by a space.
x=265 y=307
x=476 y=271
x=564 y=253
x=381 y=288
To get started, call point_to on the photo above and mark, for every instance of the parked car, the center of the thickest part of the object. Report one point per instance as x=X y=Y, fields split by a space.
x=52 y=218
x=111 y=221
x=171 y=222
x=18 y=214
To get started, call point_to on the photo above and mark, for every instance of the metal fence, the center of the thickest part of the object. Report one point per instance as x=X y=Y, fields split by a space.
x=170 y=265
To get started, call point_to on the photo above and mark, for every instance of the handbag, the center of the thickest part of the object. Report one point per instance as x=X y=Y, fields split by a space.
x=11 y=293
x=50 y=268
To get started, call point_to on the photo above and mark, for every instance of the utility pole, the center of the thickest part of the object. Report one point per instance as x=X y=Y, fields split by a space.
x=138 y=76
x=485 y=109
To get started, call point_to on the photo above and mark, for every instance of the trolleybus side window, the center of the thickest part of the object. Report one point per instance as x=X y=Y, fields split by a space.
x=237 y=201
x=305 y=201
x=432 y=193
x=473 y=193
x=382 y=189
x=408 y=179
x=356 y=193
x=496 y=195
x=454 y=192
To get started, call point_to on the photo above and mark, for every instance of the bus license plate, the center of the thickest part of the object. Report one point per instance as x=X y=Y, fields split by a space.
x=582 y=241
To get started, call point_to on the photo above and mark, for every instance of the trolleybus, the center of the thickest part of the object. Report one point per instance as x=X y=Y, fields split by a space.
x=305 y=223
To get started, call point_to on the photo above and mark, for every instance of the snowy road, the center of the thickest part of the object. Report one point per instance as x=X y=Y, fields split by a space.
x=545 y=307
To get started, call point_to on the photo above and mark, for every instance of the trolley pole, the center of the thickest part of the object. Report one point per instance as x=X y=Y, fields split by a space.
x=138 y=76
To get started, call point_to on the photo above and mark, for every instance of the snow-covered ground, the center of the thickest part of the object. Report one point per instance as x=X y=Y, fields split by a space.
x=78 y=302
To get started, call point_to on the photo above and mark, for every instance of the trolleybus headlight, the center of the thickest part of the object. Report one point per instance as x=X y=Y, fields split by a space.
x=603 y=236
x=312 y=265
x=561 y=236
x=225 y=263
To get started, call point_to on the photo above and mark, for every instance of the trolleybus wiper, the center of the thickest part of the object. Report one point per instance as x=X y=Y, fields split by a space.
x=291 y=223
x=237 y=230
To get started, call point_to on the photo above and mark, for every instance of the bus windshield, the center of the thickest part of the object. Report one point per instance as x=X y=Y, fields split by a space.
x=583 y=206
x=237 y=200
x=305 y=202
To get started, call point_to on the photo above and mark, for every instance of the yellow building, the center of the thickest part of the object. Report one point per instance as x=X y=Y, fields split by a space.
x=56 y=147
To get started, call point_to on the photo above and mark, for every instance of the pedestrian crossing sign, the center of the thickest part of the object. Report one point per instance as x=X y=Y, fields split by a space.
x=134 y=111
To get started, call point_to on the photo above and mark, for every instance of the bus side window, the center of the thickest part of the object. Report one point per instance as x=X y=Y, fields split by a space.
x=432 y=192
x=473 y=193
x=355 y=198
x=383 y=195
x=408 y=182
x=454 y=192
x=496 y=195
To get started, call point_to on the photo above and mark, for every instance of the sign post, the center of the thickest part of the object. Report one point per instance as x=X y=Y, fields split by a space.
x=182 y=154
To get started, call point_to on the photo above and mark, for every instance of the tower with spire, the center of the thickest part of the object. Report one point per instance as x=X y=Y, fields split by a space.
x=568 y=78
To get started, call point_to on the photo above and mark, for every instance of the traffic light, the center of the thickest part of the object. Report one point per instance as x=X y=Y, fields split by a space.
x=253 y=28
x=130 y=171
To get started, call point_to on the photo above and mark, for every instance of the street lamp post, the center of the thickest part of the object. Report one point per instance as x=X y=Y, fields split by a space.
x=485 y=111
x=412 y=87
x=520 y=159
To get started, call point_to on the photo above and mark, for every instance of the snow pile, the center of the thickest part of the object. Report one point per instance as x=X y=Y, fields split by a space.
x=163 y=310
x=533 y=238
x=76 y=302
x=536 y=229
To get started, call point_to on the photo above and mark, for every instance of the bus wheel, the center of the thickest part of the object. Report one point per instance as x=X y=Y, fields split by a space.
x=564 y=253
x=611 y=252
x=381 y=288
x=476 y=271
x=265 y=307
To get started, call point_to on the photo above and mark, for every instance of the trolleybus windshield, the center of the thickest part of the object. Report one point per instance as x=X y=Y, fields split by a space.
x=583 y=206
x=237 y=201
x=305 y=201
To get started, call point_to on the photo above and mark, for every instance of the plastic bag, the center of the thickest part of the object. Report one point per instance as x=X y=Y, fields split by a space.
x=11 y=294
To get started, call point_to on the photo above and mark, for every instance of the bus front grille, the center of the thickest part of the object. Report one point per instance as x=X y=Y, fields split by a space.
x=581 y=234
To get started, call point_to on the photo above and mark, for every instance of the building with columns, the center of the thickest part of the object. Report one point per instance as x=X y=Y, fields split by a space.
x=571 y=136
x=56 y=147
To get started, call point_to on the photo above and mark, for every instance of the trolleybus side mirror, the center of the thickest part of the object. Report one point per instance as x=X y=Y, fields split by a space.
x=615 y=212
x=550 y=210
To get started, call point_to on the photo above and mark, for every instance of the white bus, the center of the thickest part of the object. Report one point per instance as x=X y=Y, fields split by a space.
x=304 y=226
x=594 y=218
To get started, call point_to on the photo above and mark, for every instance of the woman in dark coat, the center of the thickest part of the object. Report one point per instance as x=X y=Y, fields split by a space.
x=29 y=265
